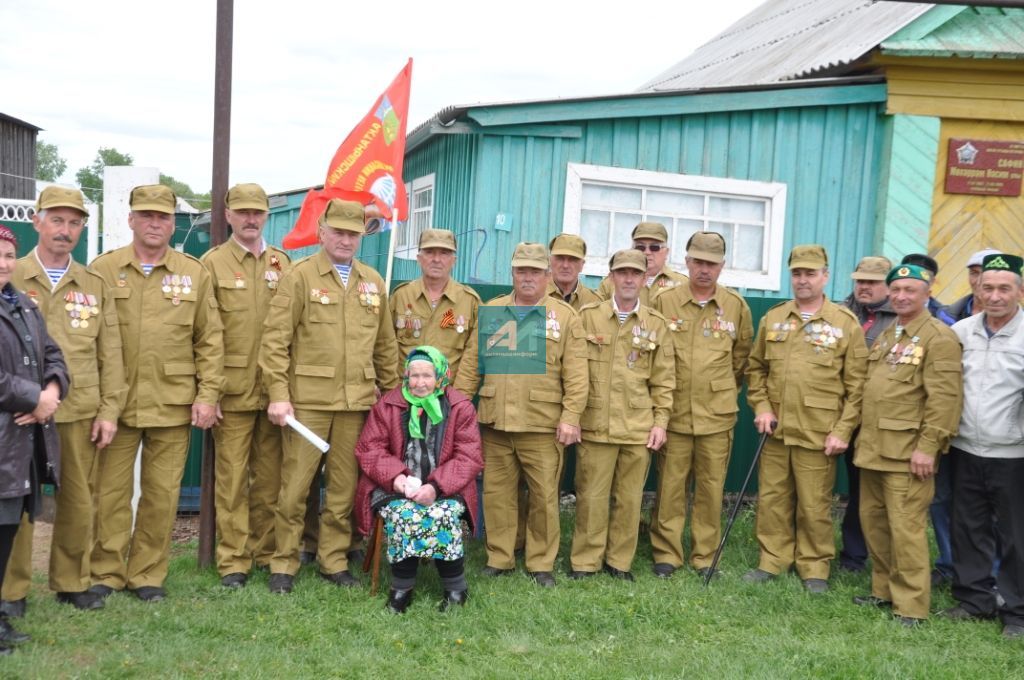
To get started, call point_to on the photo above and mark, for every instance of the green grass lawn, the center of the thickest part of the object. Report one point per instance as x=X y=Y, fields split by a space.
x=597 y=628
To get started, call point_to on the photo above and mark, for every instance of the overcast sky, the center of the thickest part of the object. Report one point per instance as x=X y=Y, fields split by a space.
x=138 y=75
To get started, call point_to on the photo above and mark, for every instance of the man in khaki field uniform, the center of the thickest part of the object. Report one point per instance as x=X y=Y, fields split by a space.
x=82 y=319
x=246 y=272
x=568 y=253
x=912 y=401
x=632 y=375
x=174 y=364
x=712 y=332
x=437 y=311
x=806 y=372
x=328 y=345
x=528 y=420
x=650 y=238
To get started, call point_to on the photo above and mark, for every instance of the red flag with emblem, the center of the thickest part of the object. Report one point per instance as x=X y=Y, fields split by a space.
x=367 y=167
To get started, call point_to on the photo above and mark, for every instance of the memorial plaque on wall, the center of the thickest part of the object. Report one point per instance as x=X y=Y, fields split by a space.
x=984 y=167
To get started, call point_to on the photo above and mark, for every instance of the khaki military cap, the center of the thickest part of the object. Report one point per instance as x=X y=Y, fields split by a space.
x=651 y=230
x=530 y=255
x=155 y=197
x=811 y=256
x=568 y=244
x=61 y=197
x=247 y=197
x=872 y=268
x=706 y=245
x=628 y=259
x=347 y=215
x=438 y=238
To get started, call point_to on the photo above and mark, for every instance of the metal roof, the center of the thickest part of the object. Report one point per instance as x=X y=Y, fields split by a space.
x=789 y=39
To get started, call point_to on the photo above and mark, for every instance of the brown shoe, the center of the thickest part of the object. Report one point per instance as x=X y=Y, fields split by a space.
x=344 y=579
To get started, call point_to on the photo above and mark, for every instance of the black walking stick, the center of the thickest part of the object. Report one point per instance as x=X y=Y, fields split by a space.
x=736 y=508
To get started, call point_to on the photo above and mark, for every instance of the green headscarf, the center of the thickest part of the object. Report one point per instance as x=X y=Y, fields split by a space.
x=429 y=403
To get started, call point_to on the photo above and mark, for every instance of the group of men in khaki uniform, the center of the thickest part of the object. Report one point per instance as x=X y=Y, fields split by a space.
x=651 y=362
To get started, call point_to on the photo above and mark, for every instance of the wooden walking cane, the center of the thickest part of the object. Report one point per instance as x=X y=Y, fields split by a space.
x=371 y=561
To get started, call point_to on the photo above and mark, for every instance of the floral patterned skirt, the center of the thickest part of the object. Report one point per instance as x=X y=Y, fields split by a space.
x=415 y=530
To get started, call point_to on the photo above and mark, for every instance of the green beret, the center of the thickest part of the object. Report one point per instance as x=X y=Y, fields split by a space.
x=1003 y=262
x=909 y=271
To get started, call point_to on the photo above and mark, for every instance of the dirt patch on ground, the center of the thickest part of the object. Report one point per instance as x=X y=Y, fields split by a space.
x=186 y=530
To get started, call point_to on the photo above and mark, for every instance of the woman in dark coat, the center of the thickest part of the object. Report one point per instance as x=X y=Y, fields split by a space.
x=33 y=380
x=420 y=453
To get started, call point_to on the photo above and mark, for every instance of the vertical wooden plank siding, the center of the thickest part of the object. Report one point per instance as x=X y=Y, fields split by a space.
x=828 y=156
x=907 y=182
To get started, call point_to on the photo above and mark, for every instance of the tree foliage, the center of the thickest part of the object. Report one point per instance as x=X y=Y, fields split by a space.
x=49 y=163
x=91 y=178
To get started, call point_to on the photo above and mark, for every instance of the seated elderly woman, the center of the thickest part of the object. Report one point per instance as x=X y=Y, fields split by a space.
x=419 y=452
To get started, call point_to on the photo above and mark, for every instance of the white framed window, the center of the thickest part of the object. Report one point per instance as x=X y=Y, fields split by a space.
x=421 y=216
x=603 y=204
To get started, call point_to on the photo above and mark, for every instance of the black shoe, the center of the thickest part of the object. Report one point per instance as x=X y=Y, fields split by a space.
x=281 y=583
x=341 y=578
x=356 y=557
x=958 y=613
x=758 y=576
x=908 y=622
x=399 y=600
x=101 y=591
x=939 y=578
x=618 y=573
x=10 y=636
x=871 y=601
x=5 y=650
x=816 y=586
x=150 y=593
x=13 y=609
x=1012 y=631
x=663 y=570
x=451 y=597
x=234 y=580
x=580 y=575
x=544 y=579
x=704 y=571
x=494 y=571
x=83 y=600
x=307 y=557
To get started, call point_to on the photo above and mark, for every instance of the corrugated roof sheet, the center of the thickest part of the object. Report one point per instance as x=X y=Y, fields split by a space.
x=977 y=32
x=789 y=39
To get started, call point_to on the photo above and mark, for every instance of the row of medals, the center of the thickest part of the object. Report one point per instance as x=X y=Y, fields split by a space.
x=271 y=278
x=176 y=285
x=415 y=326
x=80 y=307
x=909 y=354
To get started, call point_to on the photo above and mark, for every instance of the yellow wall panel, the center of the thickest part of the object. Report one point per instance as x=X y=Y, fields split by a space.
x=963 y=224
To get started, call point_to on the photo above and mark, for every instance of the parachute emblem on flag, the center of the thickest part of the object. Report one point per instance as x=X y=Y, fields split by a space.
x=389 y=120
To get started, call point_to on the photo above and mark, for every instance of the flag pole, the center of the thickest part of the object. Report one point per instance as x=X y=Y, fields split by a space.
x=391 y=249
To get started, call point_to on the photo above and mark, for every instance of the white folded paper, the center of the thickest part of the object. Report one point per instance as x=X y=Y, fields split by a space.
x=307 y=434
x=412 y=485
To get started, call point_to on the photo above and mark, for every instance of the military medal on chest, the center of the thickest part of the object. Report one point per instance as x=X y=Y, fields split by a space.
x=122 y=279
x=447 y=319
x=551 y=327
x=369 y=296
x=417 y=328
x=319 y=295
x=631 y=358
x=822 y=335
x=275 y=263
x=271 y=277
x=239 y=280
x=637 y=339
x=910 y=353
x=675 y=324
x=721 y=326
x=80 y=308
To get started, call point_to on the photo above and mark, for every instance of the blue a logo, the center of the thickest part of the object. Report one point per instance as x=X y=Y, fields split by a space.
x=512 y=340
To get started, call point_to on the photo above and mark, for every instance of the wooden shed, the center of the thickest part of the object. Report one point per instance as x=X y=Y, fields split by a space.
x=17 y=158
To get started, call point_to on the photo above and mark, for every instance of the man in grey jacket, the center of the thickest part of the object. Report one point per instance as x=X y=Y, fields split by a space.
x=989 y=452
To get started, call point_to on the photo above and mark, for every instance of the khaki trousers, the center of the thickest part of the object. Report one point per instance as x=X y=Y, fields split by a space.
x=705 y=459
x=608 y=475
x=894 y=516
x=247 y=467
x=301 y=461
x=510 y=458
x=794 y=510
x=72 y=526
x=123 y=557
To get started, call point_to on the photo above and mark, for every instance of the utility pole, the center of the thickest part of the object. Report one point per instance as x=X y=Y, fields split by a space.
x=218 y=234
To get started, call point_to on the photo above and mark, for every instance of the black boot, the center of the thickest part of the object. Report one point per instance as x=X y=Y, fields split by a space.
x=399 y=600
x=10 y=636
x=451 y=597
